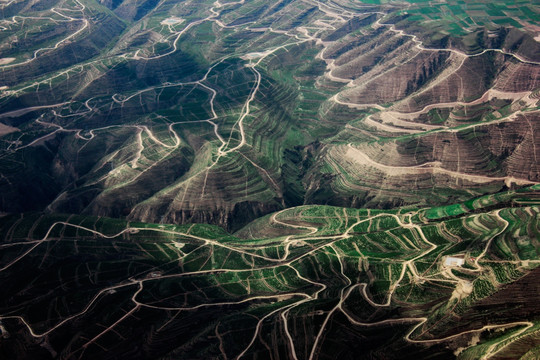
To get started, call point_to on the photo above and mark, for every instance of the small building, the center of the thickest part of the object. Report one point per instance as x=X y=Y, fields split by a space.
x=455 y=261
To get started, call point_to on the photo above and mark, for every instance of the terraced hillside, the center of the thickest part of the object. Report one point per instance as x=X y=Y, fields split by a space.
x=306 y=282
x=288 y=179
x=222 y=112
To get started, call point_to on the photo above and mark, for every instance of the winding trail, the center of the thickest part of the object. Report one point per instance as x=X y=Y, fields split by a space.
x=68 y=18
x=330 y=244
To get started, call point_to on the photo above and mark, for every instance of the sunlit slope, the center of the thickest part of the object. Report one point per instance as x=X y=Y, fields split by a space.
x=307 y=282
x=220 y=112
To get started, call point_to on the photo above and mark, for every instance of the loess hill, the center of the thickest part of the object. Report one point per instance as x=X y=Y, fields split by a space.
x=221 y=113
x=263 y=131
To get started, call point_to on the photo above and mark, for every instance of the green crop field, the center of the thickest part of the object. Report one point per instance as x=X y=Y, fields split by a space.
x=113 y=277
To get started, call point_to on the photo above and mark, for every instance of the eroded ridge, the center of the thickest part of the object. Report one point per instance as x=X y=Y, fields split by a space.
x=186 y=104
